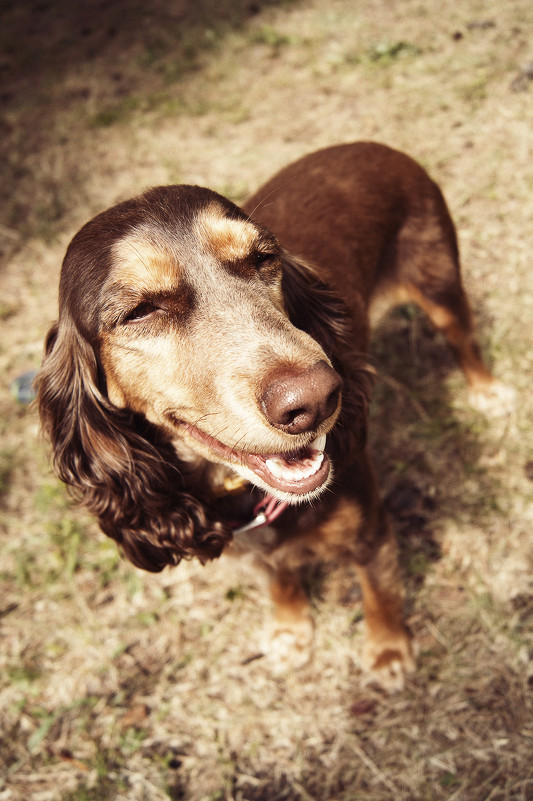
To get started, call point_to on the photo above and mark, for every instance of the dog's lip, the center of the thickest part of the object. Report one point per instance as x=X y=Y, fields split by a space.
x=309 y=466
x=297 y=472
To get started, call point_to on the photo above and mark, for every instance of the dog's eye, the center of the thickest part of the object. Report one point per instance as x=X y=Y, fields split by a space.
x=263 y=259
x=140 y=312
x=268 y=266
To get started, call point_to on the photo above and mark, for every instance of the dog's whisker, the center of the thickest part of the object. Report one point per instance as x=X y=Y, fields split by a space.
x=261 y=203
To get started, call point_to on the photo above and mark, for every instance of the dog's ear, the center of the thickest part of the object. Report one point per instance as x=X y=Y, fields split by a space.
x=315 y=308
x=112 y=461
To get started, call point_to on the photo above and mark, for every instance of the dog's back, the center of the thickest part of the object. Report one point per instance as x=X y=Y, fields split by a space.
x=344 y=209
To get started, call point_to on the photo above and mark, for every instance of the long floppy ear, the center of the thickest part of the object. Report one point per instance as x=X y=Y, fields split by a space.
x=315 y=308
x=113 y=462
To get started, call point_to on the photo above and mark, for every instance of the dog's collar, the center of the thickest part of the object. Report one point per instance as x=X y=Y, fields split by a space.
x=265 y=512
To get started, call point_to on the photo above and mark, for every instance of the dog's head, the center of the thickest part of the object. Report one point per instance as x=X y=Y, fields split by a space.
x=185 y=329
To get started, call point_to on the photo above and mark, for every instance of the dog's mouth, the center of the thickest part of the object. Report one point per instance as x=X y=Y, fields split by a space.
x=297 y=472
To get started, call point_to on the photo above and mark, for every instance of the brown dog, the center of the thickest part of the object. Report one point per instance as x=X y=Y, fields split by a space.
x=206 y=380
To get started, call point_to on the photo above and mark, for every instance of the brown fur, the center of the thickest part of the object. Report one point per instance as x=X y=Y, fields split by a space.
x=186 y=324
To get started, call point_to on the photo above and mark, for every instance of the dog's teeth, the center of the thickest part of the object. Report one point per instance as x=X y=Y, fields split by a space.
x=297 y=471
x=319 y=443
x=274 y=467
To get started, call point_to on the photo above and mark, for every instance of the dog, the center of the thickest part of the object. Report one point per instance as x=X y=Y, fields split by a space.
x=205 y=388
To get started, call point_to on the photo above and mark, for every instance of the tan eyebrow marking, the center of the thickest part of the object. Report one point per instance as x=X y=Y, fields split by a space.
x=139 y=265
x=228 y=239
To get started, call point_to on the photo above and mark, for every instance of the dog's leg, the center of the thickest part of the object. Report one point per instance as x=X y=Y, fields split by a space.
x=455 y=320
x=291 y=632
x=426 y=267
x=387 y=653
x=357 y=531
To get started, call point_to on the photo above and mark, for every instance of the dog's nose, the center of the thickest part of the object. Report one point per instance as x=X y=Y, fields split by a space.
x=297 y=401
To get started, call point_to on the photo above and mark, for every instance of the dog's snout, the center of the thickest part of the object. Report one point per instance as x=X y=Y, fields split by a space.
x=297 y=401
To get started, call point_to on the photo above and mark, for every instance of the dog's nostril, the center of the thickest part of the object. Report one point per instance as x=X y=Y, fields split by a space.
x=292 y=415
x=297 y=401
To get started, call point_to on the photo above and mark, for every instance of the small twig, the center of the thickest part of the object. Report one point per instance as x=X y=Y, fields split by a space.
x=14 y=236
x=383 y=778
x=9 y=233
x=397 y=385
x=304 y=794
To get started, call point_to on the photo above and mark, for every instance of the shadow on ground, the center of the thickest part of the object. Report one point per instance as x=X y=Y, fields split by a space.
x=424 y=451
x=91 y=62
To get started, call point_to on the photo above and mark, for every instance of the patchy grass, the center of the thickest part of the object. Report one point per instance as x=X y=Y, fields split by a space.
x=120 y=685
x=385 y=52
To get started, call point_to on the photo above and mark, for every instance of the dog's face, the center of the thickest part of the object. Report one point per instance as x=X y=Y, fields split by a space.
x=190 y=327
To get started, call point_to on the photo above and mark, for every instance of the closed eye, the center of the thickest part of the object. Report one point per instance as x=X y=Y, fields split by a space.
x=141 y=312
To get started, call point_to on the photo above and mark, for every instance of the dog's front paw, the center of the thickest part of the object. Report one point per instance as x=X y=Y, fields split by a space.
x=288 y=644
x=494 y=399
x=389 y=661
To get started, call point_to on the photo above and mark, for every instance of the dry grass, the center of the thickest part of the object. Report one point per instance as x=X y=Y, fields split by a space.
x=124 y=686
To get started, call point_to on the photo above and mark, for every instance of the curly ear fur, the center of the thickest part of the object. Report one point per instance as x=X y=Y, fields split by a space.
x=316 y=309
x=115 y=464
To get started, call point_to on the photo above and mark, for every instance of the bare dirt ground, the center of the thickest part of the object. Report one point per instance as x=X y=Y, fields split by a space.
x=120 y=685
